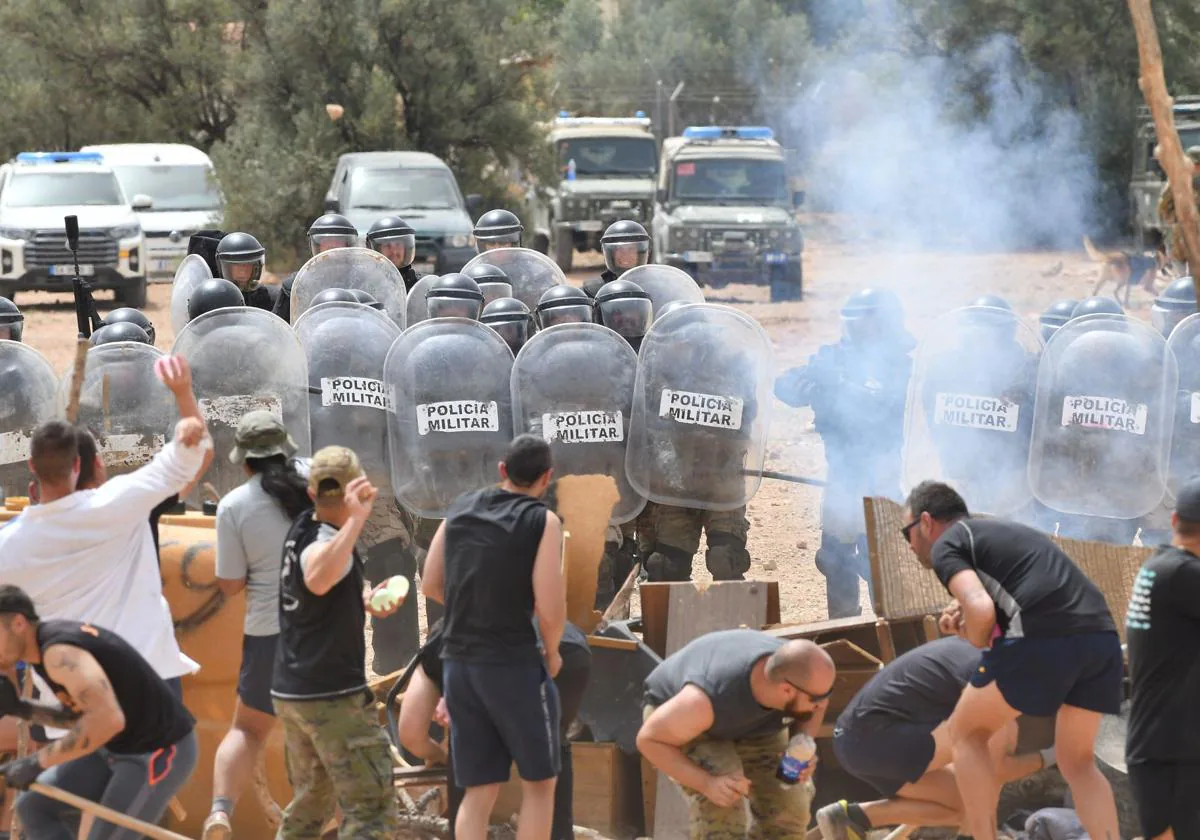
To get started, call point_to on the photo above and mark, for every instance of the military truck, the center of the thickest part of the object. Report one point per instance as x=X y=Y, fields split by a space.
x=1148 y=177
x=723 y=210
x=606 y=168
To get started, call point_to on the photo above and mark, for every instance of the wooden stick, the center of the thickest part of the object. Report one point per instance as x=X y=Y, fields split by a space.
x=107 y=814
x=619 y=608
x=81 y=348
x=901 y=832
x=23 y=745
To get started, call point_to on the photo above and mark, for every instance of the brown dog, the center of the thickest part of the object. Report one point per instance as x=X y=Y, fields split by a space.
x=1125 y=270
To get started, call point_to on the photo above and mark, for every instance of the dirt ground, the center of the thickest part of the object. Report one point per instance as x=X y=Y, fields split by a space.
x=785 y=518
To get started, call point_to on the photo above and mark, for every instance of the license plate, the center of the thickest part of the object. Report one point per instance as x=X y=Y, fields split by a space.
x=590 y=226
x=697 y=256
x=775 y=258
x=69 y=270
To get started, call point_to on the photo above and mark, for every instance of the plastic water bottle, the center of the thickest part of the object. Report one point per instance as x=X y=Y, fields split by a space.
x=571 y=169
x=799 y=755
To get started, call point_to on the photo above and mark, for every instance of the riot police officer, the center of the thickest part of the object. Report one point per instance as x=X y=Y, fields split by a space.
x=242 y=259
x=857 y=389
x=127 y=314
x=364 y=297
x=563 y=305
x=1056 y=314
x=216 y=293
x=625 y=245
x=1176 y=302
x=454 y=296
x=511 y=319
x=12 y=322
x=120 y=331
x=493 y=281
x=1096 y=305
x=498 y=229
x=327 y=232
x=334 y=296
x=395 y=239
x=626 y=309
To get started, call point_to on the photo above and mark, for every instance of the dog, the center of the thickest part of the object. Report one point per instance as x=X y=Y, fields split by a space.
x=1125 y=270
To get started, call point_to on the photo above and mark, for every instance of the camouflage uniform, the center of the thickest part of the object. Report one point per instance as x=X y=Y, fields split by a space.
x=673 y=534
x=336 y=754
x=422 y=531
x=390 y=552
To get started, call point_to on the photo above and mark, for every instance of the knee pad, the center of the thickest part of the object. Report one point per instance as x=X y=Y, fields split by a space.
x=727 y=557
x=667 y=563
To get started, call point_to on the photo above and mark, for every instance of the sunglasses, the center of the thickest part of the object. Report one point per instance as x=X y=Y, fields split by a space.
x=907 y=529
x=816 y=698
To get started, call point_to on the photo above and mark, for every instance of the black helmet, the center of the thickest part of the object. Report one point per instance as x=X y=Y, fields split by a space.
x=625 y=308
x=237 y=249
x=668 y=307
x=331 y=231
x=334 y=296
x=993 y=301
x=366 y=298
x=871 y=314
x=11 y=320
x=1176 y=302
x=120 y=331
x=994 y=318
x=454 y=296
x=397 y=236
x=493 y=282
x=511 y=319
x=1097 y=305
x=498 y=229
x=129 y=315
x=625 y=245
x=213 y=294
x=563 y=305
x=1057 y=314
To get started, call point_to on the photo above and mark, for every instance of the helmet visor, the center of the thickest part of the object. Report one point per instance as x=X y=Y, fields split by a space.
x=514 y=333
x=245 y=275
x=510 y=239
x=453 y=307
x=1166 y=320
x=627 y=317
x=555 y=315
x=619 y=257
x=12 y=332
x=320 y=242
x=1047 y=331
x=400 y=249
x=494 y=290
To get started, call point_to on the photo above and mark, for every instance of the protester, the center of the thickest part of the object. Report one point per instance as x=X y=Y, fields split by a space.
x=1162 y=626
x=131 y=745
x=252 y=524
x=714 y=722
x=336 y=751
x=496 y=562
x=1051 y=650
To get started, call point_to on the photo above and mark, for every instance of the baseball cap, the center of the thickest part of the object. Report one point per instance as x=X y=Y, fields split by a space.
x=333 y=463
x=1187 y=500
x=260 y=434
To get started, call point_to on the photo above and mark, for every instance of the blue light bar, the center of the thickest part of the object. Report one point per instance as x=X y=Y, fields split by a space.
x=60 y=157
x=641 y=115
x=718 y=132
x=564 y=113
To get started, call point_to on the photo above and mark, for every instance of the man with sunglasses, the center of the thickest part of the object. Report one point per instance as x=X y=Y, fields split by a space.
x=716 y=720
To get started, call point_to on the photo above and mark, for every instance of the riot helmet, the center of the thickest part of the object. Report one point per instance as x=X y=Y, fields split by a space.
x=129 y=315
x=493 y=282
x=992 y=301
x=241 y=259
x=563 y=305
x=454 y=296
x=625 y=245
x=1057 y=314
x=1097 y=305
x=330 y=231
x=395 y=239
x=1176 y=302
x=333 y=296
x=498 y=229
x=871 y=315
x=214 y=294
x=993 y=319
x=511 y=319
x=120 y=331
x=670 y=306
x=366 y=298
x=625 y=308
x=12 y=322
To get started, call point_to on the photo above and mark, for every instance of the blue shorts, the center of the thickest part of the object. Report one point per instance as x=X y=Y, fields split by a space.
x=1039 y=676
x=886 y=753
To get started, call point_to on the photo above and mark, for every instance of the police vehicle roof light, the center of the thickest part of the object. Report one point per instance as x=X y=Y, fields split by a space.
x=610 y=122
x=718 y=132
x=564 y=114
x=60 y=157
x=641 y=115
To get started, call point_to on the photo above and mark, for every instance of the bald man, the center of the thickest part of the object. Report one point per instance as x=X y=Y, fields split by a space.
x=718 y=715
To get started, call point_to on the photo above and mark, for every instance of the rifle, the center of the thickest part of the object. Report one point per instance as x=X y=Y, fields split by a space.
x=87 y=318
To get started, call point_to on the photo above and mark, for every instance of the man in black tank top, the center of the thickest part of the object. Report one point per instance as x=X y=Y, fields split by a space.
x=496 y=562
x=131 y=744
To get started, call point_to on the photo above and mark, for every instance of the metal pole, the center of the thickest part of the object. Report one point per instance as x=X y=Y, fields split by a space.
x=658 y=111
x=671 y=111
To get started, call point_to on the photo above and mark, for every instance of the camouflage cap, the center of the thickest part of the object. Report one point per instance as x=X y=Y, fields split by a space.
x=333 y=463
x=1194 y=153
x=260 y=434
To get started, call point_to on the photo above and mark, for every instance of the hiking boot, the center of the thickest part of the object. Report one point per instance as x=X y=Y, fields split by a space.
x=834 y=822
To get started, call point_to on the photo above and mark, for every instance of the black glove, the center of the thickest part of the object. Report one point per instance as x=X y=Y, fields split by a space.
x=11 y=702
x=23 y=772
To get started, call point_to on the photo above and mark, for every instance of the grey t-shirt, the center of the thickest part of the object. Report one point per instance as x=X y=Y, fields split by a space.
x=251 y=530
x=719 y=664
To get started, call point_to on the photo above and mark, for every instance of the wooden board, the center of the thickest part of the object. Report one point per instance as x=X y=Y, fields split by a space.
x=585 y=503
x=655 y=599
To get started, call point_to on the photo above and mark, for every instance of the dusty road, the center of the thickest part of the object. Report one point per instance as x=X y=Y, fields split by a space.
x=785 y=518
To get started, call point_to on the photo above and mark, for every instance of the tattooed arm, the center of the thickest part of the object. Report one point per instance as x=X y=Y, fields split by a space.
x=34 y=711
x=91 y=695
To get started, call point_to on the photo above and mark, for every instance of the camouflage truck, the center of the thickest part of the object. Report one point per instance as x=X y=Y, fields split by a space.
x=606 y=168
x=1148 y=178
x=724 y=211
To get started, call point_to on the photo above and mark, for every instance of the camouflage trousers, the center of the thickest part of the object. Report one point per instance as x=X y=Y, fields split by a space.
x=336 y=754
x=673 y=533
x=422 y=531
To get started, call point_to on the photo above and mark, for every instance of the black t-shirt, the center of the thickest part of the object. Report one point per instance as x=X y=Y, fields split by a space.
x=283 y=300
x=492 y=538
x=163 y=508
x=1039 y=592
x=922 y=686
x=260 y=298
x=154 y=717
x=1162 y=628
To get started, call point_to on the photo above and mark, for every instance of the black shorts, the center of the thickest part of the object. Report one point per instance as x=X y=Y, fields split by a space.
x=1168 y=796
x=258 y=667
x=500 y=714
x=887 y=755
x=1039 y=676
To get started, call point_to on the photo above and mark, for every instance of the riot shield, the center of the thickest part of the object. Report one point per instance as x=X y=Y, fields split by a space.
x=665 y=284
x=701 y=408
x=27 y=400
x=350 y=268
x=530 y=273
x=1103 y=418
x=1184 y=461
x=191 y=273
x=123 y=403
x=417 y=310
x=970 y=408
x=244 y=359
x=584 y=418
x=453 y=419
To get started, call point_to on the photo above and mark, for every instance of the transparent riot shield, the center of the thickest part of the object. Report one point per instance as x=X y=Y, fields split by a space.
x=28 y=398
x=417 y=309
x=191 y=273
x=1184 y=461
x=350 y=268
x=530 y=273
x=701 y=409
x=584 y=418
x=244 y=359
x=970 y=408
x=1103 y=418
x=665 y=284
x=453 y=420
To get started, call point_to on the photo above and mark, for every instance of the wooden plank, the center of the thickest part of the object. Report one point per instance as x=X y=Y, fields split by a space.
x=773 y=614
x=887 y=646
x=611 y=644
x=818 y=628
x=654 y=597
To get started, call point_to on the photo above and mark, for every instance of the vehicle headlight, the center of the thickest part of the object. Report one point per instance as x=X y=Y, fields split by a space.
x=127 y=232
x=15 y=233
x=459 y=240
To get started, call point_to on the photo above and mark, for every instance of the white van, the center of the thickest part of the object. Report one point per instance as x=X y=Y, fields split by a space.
x=183 y=189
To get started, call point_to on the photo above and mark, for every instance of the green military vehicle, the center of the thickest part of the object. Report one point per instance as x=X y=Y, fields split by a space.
x=724 y=211
x=1146 y=185
x=606 y=169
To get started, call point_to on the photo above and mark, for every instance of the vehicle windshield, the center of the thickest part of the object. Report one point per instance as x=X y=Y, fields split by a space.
x=608 y=156
x=402 y=189
x=62 y=189
x=172 y=188
x=730 y=180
